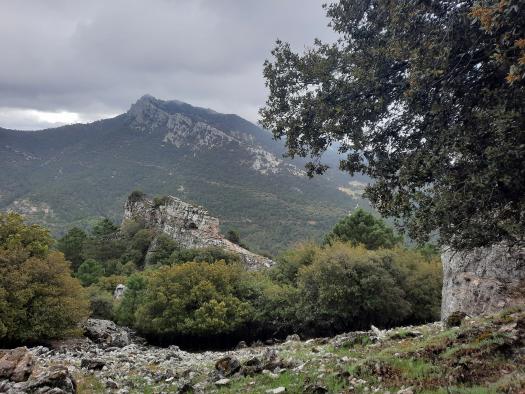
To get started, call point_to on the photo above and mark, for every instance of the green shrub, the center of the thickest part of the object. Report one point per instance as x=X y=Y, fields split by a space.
x=160 y=201
x=162 y=249
x=38 y=297
x=290 y=262
x=195 y=298
x=136 y=195
x=209 y=255
x=127 y=306
x=344 y=288
x=101 y=303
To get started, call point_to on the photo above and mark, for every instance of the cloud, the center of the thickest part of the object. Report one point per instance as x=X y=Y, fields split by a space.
x=97 y=57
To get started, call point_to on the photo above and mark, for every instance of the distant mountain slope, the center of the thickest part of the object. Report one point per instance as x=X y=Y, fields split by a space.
x=74 y=174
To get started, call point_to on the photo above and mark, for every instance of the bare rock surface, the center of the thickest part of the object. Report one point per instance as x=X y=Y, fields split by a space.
x=189 y=225
x=20 y=373
x=107 y=333
x=16 y=365
x=482 y=281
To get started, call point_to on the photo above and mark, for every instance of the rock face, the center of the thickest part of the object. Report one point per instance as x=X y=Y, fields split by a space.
x=16 y=365
x=484 y=280
x=189 y=225
x=106 y=333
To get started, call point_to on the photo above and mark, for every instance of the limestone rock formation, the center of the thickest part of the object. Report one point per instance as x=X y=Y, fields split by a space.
x=189 y=225
x=482 y=281
x=107 y=333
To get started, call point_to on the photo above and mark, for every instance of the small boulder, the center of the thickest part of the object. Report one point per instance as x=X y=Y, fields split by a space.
x=227 y=366
x=455 y=319
x=185 y=388
x=92 y=364
x=16 y=365
x=111 y=384
x=222 y=382
x=56 y=379
x=271 y=360
x=315 y=389
x=241 y=345
x=276 y=390
x=119 y=291
x=293 y=338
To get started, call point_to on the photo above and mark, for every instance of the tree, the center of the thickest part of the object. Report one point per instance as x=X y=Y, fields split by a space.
x=163 y=247
x=104 y=228
x=233 y=236
x=363 y=228
x=89 y=272
x=425 y=97
x=71 y=245
x=38 y=297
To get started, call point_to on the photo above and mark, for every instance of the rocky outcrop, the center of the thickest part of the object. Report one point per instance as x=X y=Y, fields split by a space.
x=119 y=291
x=19 y=374
x=106 y=333
x=16 y=365
x=482 y=281
x=189 y=225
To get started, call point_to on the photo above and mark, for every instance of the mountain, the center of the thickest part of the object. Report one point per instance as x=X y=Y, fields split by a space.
x=73 y=175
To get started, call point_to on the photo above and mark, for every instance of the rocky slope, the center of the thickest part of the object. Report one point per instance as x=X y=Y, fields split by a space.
x=481 y=355
x=190 y=225
x=73 y=174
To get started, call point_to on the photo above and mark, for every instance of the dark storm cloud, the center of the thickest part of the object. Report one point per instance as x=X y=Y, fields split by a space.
x=89 y=59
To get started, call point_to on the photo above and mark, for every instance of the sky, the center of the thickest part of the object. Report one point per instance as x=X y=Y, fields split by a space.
x=69 y=61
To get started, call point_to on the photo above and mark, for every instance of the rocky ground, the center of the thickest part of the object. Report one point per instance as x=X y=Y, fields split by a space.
x=481 y=355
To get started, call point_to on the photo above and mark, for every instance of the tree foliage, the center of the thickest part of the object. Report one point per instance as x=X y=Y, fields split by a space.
x=71 y=245
x=195 y=298
x=362 y=228
x=38 y=297
x=427 y=98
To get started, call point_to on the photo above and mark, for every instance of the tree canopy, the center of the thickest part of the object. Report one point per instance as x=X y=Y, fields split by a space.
x=363 y=228
x=38 y=297
x=426 y=97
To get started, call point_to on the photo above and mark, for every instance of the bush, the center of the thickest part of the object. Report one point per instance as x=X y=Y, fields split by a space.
x=162 y=249
x=127 y=307
x=38 y=297
x=160 y=201
x=209 y=255
x=193 y=299
x=101 y=302
x=136 y=195
x=344 y=288
x=233 y=236
x=290 y=262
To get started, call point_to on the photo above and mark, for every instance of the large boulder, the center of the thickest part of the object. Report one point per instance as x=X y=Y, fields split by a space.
x=483 y=280
x=16 y=365
x=53 y=380
x=105 y=332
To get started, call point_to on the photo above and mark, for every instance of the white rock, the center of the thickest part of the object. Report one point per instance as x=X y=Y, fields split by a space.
x=276 y=390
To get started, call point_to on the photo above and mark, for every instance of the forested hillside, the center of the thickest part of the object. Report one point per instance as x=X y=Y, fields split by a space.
x=74 y=175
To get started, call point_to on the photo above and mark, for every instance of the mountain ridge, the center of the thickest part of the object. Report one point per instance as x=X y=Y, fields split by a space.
x=72 y=175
